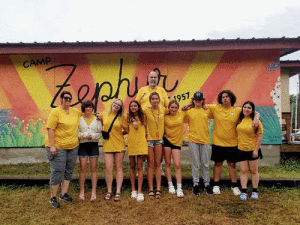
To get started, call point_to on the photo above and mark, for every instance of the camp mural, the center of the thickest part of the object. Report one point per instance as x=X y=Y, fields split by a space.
x=31 y=85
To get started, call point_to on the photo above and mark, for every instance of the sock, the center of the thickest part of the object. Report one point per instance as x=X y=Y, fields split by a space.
x=170 y=184
x=254 y=189
x=234 y=184
x=179 y=186
x=216 y=183
x=244 y=190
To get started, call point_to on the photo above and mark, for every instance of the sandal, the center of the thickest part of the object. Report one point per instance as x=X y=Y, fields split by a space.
x=93 y=197
x=117 y=197
x=81 y=197
x=158 y=194
x=108 y=196
x=151 y=194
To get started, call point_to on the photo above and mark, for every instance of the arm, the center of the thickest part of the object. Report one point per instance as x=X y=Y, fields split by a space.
x=51 y=141
x=258 y=144
x=256 y=120
x=98 y=133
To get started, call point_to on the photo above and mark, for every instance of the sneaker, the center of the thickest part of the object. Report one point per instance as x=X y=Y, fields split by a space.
x=236 y=190
x=179 y=193
x=65 y=197
x=243 y=196
x=140 y=197
x=208 y=190
x=216 y=190
x=134 y=194
x=196 y=190
x=172 y=190
x=54 y=202
x=254 y=195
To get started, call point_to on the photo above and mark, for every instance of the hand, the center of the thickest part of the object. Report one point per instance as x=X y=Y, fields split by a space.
x=89 y=137
x=255 y=123
x=99 y=117
x=187 y=107
x=204 y=107
x=135 y=125
x=53 y=151
x=255 y=154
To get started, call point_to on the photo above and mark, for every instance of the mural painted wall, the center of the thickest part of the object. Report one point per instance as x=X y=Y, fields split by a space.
x=31 y=84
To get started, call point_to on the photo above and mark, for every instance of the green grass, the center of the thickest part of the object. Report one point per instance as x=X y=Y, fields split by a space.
x=30 y=205
x=288 y=169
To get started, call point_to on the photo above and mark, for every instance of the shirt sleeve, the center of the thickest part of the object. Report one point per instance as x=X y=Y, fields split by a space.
x=166 y=99
x=52 y=120
x=260 y=128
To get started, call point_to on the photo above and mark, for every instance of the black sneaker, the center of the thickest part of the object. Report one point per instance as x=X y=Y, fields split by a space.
x=208 y=190
x=65 y=197
x=196 y=190
x=54 y=202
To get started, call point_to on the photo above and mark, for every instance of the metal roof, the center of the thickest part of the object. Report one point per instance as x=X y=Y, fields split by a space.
x=292 y=66
x=285 y=45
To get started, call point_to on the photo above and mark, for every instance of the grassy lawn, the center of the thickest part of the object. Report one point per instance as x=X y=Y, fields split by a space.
x=286 y=169
x=30 y=205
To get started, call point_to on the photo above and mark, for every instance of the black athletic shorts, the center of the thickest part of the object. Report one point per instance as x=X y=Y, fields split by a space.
x=88 y=149
x=167 y=143
x=220 y=154
x=248 y=155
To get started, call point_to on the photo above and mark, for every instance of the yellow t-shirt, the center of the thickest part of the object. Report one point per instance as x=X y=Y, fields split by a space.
x=65 y=128
x=225 y=121
x=155 y=122
x=144 y=93
x=89 y=120
x=116 y=142
x=174 y=128
x=198 y=125
x=247 y=138
x=137 y=142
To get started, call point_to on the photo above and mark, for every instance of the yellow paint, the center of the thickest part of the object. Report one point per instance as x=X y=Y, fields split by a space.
x=105 y=67
x=33 y=83
x=200 y=69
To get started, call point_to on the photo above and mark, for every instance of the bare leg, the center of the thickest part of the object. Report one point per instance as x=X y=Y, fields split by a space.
x=65 y=186
x=82 y=175
x=217 y=171
x=232 y=172
x=93 y=165
x=140 y=160
x=157 y=163
x=132 y=172
x=109 y=164
x=150 y=168
x=167 y=156
x=119 y=157
x=253 y=166
x=244 y=174
x=176 y=154
x=54 y=189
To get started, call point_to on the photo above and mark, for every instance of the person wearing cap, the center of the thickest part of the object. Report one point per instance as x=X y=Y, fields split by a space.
x=199 y=142
x=224 y=138
x=144 y=92
x=62 y=147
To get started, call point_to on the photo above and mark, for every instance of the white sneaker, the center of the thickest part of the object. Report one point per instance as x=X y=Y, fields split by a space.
x=254 y=195
x=179 y=193
x=216 y=190
x=236 y=190
x=134 y=194
x=140 y=197
x=172 y=190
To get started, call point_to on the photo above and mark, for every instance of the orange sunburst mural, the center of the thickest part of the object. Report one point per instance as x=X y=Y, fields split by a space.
x=31 y=84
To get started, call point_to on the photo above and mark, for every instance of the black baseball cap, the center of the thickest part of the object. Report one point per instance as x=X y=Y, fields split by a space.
x=198 y=95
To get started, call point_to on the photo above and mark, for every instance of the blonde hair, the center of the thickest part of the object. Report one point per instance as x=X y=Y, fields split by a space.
x=120 y=110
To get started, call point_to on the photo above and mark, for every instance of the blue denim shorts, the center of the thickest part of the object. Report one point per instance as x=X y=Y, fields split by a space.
x=151 y=143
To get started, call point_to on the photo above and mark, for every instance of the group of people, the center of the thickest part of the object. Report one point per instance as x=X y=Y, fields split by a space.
x=155 y=128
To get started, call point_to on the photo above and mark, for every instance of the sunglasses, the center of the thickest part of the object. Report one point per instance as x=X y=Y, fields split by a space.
x=67 y=98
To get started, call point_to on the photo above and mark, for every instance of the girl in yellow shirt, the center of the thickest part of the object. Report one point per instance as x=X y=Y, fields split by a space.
x=155 y=130
x=114 y=147
x=249 y=142
x=137 y=146
x=173 y=138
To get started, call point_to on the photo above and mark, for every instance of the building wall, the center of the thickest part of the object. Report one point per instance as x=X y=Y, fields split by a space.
x=31 y=84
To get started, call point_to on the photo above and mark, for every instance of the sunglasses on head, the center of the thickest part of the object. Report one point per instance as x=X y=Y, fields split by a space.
x=67 y=98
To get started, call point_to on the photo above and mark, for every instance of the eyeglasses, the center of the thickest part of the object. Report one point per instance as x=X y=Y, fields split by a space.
x=67 y=98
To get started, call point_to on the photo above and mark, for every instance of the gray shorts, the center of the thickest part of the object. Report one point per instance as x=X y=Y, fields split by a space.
x=151 y=143
x=62 y=164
